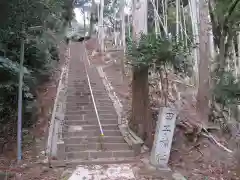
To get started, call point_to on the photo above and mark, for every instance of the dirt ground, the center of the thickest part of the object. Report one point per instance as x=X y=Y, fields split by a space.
x=196 y=157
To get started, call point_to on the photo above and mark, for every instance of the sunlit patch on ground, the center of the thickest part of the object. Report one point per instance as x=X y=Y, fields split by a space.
x=103 y=172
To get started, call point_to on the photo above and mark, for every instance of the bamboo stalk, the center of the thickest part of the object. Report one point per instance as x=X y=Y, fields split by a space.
x=195 y=30
x=177 y=20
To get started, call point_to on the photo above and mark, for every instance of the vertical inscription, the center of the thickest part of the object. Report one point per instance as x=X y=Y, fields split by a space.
x=163 y=137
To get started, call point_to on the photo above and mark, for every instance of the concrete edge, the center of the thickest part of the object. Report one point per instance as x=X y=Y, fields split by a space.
x=57 y=118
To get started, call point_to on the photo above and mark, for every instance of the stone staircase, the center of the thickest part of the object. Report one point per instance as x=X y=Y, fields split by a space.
x=81 y=133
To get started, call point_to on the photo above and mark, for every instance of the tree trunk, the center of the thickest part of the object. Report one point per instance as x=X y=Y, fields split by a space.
x=140 y=121
x=91 y=25
x=203 y=95
x=195 y=29
x=91 y=18
x=84 y=22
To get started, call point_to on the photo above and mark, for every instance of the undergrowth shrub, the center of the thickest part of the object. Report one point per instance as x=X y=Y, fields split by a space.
x=42 y=24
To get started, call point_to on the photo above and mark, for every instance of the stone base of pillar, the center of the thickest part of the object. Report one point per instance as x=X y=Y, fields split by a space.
x=60 y=150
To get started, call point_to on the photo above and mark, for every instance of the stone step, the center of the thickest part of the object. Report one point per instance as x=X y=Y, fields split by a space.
x=75 y=79
x=99 y=161
x=96 y=139
x=78 y=85
x=91 y=133
x=99 y=92
x=99 y=104
x=100 y=89
x=83 y=94
x=81 y=87
x=75 y=93
x=84 y=88
x=76 y=76
x=89 y=102
x=79 y=104
x=87 y=111
x=97 y=147
x=86 y=106
x=79 y=75
x=96 y=82
x=101 y=98
x=90 y=107
x=100 y=108
x=91 y=116
x=104 y=106
x=95 y=127
x=90 y=155
x=75 y=90
x=77 y=69
x=89 y=122
x=102 y=117
x=86 y=92
x=75 y=107
x=78 y=99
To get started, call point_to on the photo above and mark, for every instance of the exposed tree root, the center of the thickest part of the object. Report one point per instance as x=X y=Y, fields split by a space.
x=197 y=130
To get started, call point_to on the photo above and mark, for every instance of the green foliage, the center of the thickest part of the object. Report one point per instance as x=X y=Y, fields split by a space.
x=151 y=49
x=9 y=72
x=44 y=23
x=227 y=89
x=224 y=16
x=221 y=9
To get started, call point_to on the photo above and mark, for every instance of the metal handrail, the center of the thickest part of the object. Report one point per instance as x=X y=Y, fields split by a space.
x=93 y=99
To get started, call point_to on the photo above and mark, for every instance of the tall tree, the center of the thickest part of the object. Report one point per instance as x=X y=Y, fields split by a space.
x=140 y=106
x=203 y=96
x=224 y=32
x=145 y=51
x=44 y=23
x=92 y=17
